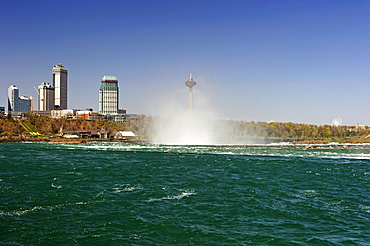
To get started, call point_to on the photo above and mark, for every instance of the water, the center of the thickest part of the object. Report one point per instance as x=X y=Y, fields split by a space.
x=131 y=194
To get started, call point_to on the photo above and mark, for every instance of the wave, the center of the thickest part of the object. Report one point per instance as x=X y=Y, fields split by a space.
x=127 y=188
x=331 y=150
x=177 y=197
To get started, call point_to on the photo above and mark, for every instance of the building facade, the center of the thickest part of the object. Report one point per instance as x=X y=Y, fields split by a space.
x=18 y=105
x=45 y=97
x=108 y=95
x=60 y=82
x=2 y=111
x=63 y=113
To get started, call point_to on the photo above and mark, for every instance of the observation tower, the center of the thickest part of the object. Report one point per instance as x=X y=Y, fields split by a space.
x=190 y=83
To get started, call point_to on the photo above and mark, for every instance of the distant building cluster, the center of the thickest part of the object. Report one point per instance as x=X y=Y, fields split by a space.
x=52 y=99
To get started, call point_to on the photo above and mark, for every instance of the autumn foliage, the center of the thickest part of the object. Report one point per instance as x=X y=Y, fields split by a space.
x=143 y=126
x=48 y=126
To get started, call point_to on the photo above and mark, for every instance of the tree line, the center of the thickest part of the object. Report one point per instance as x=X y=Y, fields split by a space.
x=144 y=126
x=48 y=126
x=291 y=130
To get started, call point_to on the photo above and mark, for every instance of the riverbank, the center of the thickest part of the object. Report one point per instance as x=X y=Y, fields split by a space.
x=233 y=132
x=56 y=140
x=61 y=140
x=298 y=144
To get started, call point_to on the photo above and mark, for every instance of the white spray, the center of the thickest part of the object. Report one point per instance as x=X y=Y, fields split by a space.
x=177 y=125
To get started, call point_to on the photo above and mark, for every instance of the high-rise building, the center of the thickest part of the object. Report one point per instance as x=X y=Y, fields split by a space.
x=18 y=104
x=60 y=79
x=108 y=95
x=45 y=97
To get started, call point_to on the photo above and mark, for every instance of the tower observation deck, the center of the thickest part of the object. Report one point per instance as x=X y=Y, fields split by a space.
x=190 y=83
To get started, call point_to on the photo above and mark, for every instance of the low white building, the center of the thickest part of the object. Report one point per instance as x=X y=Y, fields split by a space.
x=124 y=134
x=64 y=113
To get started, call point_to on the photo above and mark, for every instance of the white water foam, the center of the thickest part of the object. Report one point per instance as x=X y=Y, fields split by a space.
x=350 y=151
x=127 y=188
x=178 y=197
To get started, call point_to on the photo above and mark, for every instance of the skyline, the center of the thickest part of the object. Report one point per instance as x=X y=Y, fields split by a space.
x=287 y=61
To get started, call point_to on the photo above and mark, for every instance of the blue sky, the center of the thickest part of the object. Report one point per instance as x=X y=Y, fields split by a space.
x=288 y=61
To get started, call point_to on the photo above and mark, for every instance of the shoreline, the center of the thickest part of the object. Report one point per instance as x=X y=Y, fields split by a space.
x=299 y=144
x=62 y=140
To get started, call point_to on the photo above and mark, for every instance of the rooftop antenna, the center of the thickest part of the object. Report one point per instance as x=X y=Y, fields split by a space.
x=36 y=90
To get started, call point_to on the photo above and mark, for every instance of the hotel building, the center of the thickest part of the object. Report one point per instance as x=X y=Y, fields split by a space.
x=45 y=97
x=18 y=104
x=60 y=79
x=108 y=95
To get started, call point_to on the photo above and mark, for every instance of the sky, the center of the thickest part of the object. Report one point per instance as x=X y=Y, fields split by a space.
x=305 y=61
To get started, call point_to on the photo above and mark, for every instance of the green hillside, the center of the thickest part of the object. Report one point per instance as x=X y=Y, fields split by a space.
x=30 y=128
